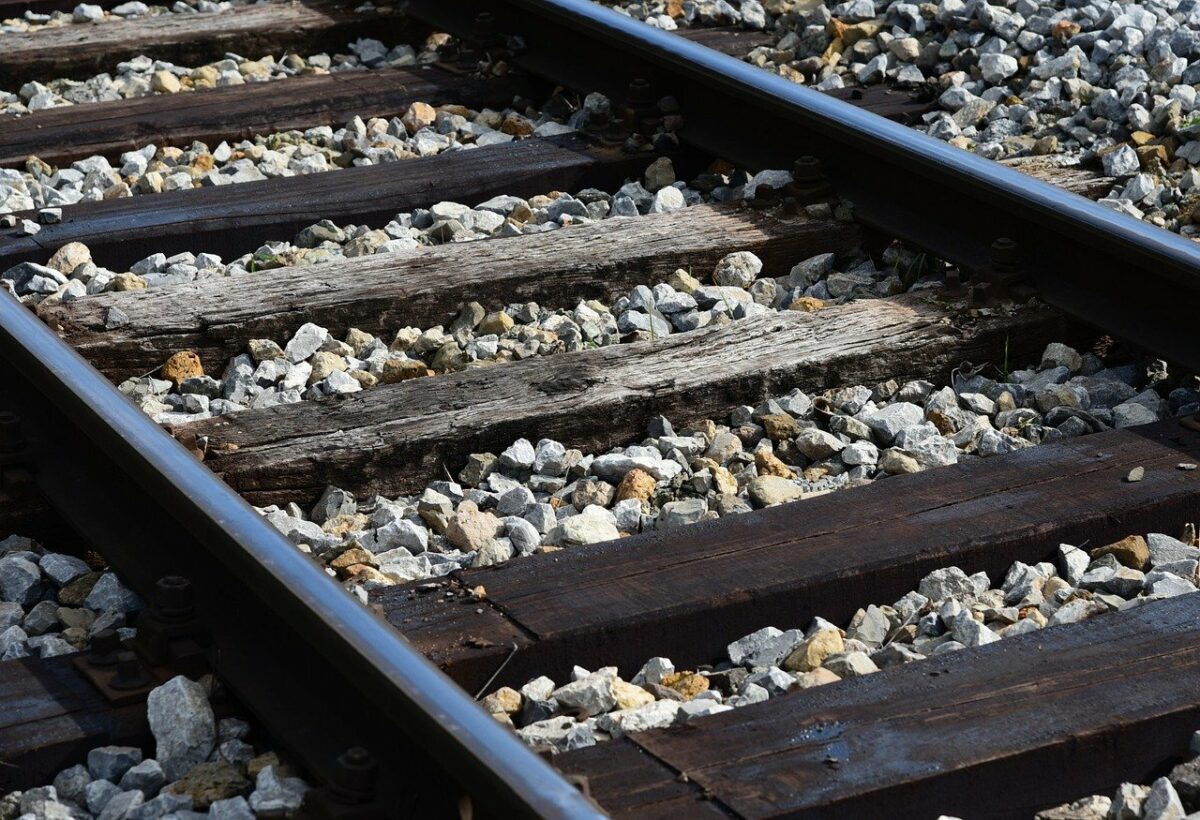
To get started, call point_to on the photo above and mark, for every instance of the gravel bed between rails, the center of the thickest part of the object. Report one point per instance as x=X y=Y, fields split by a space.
x=71 y=273
x=314 y=363
x=1106 y=84
x=53 y=603
x=423 y=131
x=948 y=611
x=1173 y=797
x=143 y=76
x=202 y=767
x=546 y=497
x=133 y=9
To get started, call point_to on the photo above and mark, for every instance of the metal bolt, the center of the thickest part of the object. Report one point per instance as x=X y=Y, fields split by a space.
x=483 y=29
x=173 y=598
x=106 y=645
x=807 y=169
x=808 y=181
x=130 y=674
x=355 y=775
x=11 y=440
x=1003 y=254
x=638 y=94
x=485 y=22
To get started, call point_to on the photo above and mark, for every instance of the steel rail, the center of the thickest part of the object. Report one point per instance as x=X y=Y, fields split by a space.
x=320 y=670
x=1117 y=273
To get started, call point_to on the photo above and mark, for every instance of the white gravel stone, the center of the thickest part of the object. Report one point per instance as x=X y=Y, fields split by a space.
x=559 y=734
x=62 y=569
x=111 y=762
x=276 y=793
x=887 y=422
x=997 y=67
x=589 y=527
x=654 y=715
x=1162 y=803
x=766 y=647
x=306 y=341
x=738 y=269
x=653 y=671
x=950 y=582
x=595 y=694
x=183 y=726
x=520 y=456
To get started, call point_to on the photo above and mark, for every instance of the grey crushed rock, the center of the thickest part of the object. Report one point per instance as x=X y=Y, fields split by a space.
x=183 y=725
x=952 y=612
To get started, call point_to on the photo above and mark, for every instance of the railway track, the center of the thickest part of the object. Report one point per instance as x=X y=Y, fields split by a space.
x=598 y=395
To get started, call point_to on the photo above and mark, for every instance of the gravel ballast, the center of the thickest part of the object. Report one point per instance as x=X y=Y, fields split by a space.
x=87 y=13
x=422 y=131
x=71 y=273
x=53 y=604
x=199 y=767
x=313 y=363
x=542 y=496
x=143 y=76
x=949 y=611
x=1175 y=796
x=1110 y=86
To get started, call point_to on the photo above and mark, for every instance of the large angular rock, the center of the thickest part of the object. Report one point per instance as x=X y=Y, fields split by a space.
x=121 y=805
x=766 y=647
x=817 y=444
x=1164 y=549
x=1162 y=803
x=471 y=529
x=738 y=270
x=870 y=625
x=970 y=632
x=851 y=664
x=20 y=580
x=519 y=457
x=110 y=595
x=233 y=808
x=62 y=569
x=1072 y=563
x=950 y=582
x=813 y=651
x=560 y=734
x=183 y=725
x=653 y=671
x=1131 y=551
x=1127 y=803
x=681 y=513
x=274 y=793
x=147 y=777
x=111 y=762
x=589 y=527
x=655 y=715
x=769 y=490
x=887 y=422
x=1186 y=779
x=594 y=694
x=70 y=783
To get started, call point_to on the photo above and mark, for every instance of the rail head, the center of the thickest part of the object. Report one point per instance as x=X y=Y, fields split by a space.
x=68 y=409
